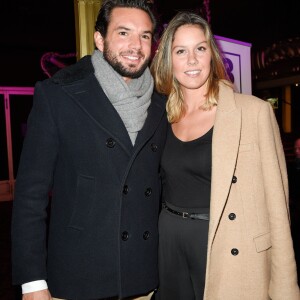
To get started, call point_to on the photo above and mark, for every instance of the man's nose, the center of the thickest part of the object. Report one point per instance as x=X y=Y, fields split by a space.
x=135 y=42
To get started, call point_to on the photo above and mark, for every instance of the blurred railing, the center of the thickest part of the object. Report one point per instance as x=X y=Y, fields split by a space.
x=15 y=105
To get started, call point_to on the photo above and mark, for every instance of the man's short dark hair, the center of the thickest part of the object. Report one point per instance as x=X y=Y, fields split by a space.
x=105 y=11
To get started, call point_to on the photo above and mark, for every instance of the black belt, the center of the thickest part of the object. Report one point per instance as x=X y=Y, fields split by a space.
x=186 y=215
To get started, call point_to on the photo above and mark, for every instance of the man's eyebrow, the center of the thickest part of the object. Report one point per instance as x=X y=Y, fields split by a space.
x=148 y=31
x=122 y=28
x=128 y=29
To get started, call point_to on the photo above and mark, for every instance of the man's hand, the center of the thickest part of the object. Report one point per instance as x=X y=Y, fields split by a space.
x=38 y=295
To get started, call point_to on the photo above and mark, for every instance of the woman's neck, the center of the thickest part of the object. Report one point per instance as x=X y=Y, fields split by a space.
x=193 y=99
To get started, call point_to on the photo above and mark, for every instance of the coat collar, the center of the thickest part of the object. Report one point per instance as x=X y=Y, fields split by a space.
x=156 y=111
x=225 y=144
x=80 y=83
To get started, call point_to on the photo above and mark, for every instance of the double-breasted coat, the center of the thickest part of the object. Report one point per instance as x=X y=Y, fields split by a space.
x=105 y=192
x=250 y=253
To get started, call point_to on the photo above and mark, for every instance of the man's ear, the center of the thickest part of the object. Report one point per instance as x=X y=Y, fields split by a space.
x=99 y=41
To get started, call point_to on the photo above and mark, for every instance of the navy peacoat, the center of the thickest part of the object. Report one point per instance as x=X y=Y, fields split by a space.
x=103 y=235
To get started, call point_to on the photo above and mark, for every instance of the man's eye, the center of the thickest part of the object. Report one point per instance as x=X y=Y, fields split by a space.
x=146 y=37
x=122 y=33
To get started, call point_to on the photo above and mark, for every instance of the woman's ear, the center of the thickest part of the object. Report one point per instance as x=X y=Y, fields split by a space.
x=99 y=41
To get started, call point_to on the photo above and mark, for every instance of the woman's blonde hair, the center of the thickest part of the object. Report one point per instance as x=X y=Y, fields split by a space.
x=162 y=70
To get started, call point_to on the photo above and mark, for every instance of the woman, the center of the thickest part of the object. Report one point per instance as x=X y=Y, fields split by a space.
x=224 y=227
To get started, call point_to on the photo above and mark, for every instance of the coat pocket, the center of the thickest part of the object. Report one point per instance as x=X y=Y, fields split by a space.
x=263 y=242
x=85 y=191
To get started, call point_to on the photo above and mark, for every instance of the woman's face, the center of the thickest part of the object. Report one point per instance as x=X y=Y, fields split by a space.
x=191 y=57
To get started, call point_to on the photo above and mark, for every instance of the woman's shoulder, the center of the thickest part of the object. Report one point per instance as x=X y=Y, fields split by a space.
x=245 y=100
x=240 y=100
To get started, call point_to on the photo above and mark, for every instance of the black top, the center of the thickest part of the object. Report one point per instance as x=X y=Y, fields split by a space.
x=186 y=171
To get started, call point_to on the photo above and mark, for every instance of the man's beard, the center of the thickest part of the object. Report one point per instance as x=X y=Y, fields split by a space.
x=118 y=66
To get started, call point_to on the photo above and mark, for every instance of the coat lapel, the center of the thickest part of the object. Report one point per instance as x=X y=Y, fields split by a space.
x=156 y=111
x=225 y=144
x=92 y=100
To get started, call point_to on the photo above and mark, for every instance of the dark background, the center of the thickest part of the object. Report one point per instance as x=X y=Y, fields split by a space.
x=259 y=22
x=30 y=28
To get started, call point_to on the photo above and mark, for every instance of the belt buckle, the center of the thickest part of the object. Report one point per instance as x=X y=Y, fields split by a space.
x=185 y=215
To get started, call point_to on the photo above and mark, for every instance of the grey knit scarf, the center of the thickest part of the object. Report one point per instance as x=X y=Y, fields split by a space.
x=130 y=100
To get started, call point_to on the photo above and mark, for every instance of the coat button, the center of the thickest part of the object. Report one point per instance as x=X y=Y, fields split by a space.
x=125 y=235
x=154 y=147
x=234 y=179
x=110 y=143
x=234 y=251
x=125 y=189
x=146 y=235
x=232 y=216
x=148 y=192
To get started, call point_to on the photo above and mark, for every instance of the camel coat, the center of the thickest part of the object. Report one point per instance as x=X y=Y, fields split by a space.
x=250 y=253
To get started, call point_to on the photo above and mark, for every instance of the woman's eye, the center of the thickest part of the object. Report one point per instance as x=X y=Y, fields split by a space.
x=180 y=51
x=201 y=49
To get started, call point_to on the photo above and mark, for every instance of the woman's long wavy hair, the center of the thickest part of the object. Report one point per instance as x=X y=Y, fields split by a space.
x=162 y=70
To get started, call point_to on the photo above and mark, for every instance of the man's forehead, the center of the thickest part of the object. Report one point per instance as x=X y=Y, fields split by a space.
x=122 y=16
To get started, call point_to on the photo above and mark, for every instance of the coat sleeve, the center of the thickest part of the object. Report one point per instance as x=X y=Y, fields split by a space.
x=283 y=283
x=31 y=196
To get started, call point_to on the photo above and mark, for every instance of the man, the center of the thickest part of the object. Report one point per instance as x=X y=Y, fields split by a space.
x=95 y=137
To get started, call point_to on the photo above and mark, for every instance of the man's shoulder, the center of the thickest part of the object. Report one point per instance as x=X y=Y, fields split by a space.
x=160 y=98
x=75 y=72
x=159 y=101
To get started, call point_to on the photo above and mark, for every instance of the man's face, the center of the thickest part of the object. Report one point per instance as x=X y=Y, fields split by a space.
x=127 y=45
